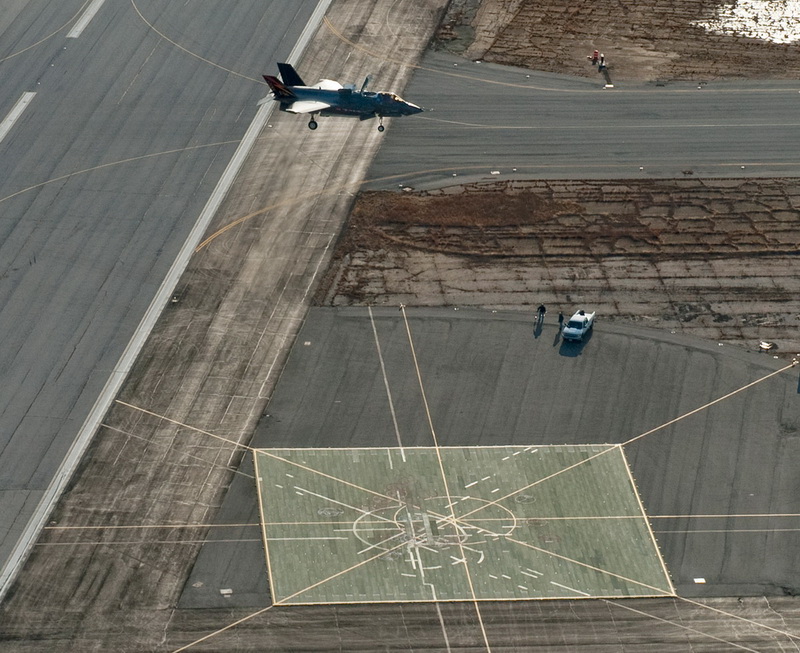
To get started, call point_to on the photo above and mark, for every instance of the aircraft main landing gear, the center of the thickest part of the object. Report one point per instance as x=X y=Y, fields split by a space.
x=312 y=124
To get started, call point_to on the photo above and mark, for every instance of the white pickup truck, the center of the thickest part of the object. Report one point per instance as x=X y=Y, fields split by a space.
x=578 y=326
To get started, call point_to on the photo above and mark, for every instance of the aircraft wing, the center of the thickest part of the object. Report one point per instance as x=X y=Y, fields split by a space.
x=307 y=106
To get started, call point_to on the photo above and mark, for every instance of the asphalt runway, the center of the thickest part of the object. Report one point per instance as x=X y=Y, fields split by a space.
x=101 y=179
x=714 y=484
x=483 y=118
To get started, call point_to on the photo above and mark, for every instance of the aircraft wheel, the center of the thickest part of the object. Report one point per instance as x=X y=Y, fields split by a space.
x=381 y=128
x=312 y=124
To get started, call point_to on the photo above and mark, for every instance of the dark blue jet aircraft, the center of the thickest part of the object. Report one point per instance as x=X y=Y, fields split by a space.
x=329 y=98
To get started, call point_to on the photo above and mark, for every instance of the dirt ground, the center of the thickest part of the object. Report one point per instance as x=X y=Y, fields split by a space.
x=715 y=259
x=653 y=40
x=710 y=258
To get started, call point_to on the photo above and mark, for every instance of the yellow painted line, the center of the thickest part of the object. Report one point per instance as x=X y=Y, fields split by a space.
x=105 y=527
x=111 y=164
x=188 y=455
x=634 y=439
x=186 y=50
x=660 y=591
x=182 y=425
x=756 y=515
x=148 y=541
x=90 y=527
x=525 y=599
x=262 y=517
x=589 y=517
x=736 y=530
x=478 y=519
x=679 y=625
x=222 y=630
x=49 y=36
x=739 y=618
x=266 y=452
x=452 y=519
x=535 y=483
x=711 y=403
x=284 y=601
x=596 y=126
x=469 y=169
x=386 y=384
x=646 y=521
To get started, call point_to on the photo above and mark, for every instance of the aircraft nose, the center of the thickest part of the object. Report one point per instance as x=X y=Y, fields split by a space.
x=413 y=108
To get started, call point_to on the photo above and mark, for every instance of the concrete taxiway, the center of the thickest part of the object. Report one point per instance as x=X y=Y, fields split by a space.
x=483 y=117
x=494 y=378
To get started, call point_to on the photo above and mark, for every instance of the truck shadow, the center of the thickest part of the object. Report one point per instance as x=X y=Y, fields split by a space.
x=573 y=349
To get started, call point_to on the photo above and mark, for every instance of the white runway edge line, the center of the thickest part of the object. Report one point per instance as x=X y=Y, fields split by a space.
x=121 y=370
x=85 y=18
x=15 y=113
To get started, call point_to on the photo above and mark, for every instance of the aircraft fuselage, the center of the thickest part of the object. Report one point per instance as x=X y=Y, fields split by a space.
x=347 y=102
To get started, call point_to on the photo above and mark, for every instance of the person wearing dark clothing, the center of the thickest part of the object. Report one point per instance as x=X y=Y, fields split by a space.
x=541 y=311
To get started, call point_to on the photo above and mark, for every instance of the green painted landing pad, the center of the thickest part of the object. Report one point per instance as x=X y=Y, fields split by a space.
x=454 y=524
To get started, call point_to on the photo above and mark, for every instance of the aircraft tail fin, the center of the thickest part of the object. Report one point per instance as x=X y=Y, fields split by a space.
x=289 y=75
x=279 y=90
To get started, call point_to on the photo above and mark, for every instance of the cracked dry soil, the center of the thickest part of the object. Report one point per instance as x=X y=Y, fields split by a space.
x=647 y=41
x=709 y=258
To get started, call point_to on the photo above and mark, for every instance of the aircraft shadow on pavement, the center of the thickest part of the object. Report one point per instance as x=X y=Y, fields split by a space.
x=573 y=349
